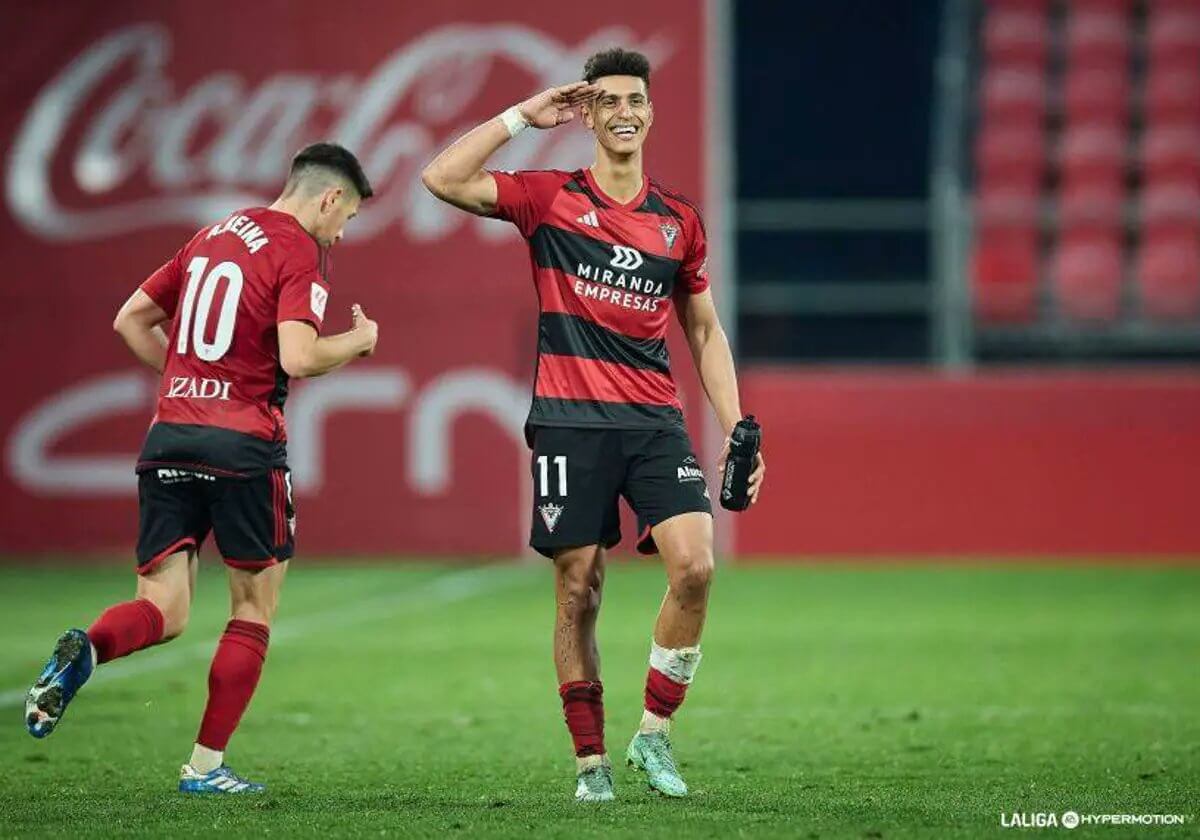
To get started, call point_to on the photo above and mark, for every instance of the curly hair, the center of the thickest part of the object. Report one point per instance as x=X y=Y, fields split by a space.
x=617 y=61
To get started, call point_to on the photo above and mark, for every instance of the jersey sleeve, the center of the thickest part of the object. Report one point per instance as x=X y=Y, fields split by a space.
x=303 y=292
x=694 y=270
x=164 y=284
x=524 y=197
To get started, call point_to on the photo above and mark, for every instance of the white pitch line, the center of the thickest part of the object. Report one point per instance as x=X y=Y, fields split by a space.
x=444 y=589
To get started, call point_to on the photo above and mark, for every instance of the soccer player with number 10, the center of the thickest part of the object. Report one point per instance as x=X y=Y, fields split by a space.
x=235 y=313
x=612 y=253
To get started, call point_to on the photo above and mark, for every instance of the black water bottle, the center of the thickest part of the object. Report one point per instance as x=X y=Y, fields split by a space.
x=744 y=443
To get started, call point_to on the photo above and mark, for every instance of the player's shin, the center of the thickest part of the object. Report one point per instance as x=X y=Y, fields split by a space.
x=234 y=675
x=671 y=672
x=583 y=709
x=124 y=628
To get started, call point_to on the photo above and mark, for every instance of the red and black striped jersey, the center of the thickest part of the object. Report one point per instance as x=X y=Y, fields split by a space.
x=220 y=402
x=606 y=274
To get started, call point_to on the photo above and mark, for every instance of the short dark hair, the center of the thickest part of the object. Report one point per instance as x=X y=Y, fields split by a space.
x=334 y=158
x=617 y=61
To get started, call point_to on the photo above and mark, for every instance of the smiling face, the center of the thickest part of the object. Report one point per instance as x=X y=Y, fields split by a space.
x=621 y=114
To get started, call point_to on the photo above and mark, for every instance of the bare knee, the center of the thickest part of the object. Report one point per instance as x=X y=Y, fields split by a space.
x=690 y=572
x=169 y=589
x=580 y=582
x=254 y=595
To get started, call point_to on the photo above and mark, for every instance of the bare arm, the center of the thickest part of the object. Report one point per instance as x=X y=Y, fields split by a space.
x=138 y=322
x=714 y=362
x=303 y=353
x=457 y=176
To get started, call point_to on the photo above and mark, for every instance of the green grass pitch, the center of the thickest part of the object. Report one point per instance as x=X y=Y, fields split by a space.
x=833 y=701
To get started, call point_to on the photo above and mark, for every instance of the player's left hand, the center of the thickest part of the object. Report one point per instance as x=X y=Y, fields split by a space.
x=360 y=321
x=754 y=485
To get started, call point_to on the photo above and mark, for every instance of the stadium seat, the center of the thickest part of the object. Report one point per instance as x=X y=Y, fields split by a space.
x=1172 y=97
x=1167 y=277
x=1015 y=36
x=1170 y=206
x=1036 y=5
x=1091 y=205
x=1171 y=5
x=1096 y=95
x=1092 y=152
x=1007 y=204
x=1173 y=39
x=1086 y=278
x=1097 y=39
x=1013 y=95
x=1170 y=153
x=1121 y=6
x=1004 y=269
x=1011 y=153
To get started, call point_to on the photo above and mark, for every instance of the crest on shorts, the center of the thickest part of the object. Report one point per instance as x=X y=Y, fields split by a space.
x=550 y=513
x=669 y=232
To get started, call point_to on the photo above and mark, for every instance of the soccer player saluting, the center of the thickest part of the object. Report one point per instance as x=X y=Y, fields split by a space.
x=612 y=251
x=226 y=321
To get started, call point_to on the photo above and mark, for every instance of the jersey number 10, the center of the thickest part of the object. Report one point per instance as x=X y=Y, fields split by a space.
x=209 y=351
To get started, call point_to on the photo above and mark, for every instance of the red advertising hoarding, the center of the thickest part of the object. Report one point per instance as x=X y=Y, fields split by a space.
x=125 y=134
x=1020 y=463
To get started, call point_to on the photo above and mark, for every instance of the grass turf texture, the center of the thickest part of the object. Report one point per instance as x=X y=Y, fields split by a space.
x=833 y=701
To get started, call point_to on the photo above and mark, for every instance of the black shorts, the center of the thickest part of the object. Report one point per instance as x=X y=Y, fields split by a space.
x=578 y=474
x=252 y=519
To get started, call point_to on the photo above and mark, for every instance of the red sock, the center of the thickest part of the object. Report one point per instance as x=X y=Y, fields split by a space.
x=232 y=679
x=663 y=695
x=583 y=707
x=123 y=628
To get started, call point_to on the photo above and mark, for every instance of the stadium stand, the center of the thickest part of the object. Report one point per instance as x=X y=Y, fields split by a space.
x=1087 y=166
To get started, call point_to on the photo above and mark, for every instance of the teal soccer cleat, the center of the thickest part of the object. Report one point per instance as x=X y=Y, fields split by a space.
x=595 y=784
x=650 y=752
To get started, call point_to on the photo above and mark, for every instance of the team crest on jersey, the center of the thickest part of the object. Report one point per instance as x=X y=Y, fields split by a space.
x=669 y=232
x=550 y=513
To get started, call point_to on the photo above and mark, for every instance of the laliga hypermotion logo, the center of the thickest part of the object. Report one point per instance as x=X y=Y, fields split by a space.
x=434 y=81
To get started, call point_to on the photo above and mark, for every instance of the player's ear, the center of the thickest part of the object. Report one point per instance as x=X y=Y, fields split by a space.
x=586 y=110
x=329 y=198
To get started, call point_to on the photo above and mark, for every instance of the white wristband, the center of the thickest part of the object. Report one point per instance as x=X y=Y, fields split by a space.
x=514 y=121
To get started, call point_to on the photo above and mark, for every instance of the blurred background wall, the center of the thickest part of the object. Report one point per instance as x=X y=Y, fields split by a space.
x=957 y=249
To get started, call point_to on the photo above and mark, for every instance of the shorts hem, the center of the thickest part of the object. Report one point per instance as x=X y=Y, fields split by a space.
x=251 y=565
x=547 y=550
x=156 y=561
x=645 y=541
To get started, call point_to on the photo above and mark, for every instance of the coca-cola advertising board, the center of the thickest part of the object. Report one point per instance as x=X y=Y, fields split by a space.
x=128 y=126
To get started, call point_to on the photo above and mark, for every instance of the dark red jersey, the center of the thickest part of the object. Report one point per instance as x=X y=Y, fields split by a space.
x=220 y=403
x=605 y=274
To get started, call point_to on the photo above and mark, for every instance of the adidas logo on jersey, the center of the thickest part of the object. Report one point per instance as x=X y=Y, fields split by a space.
x=590 y=219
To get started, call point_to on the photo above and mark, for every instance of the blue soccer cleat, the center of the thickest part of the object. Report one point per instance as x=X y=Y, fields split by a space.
x=221 y=780
x=68 y=669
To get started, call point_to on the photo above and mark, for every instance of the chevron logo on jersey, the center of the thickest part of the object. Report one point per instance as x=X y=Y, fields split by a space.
x=626 y=258
x=589 y=219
